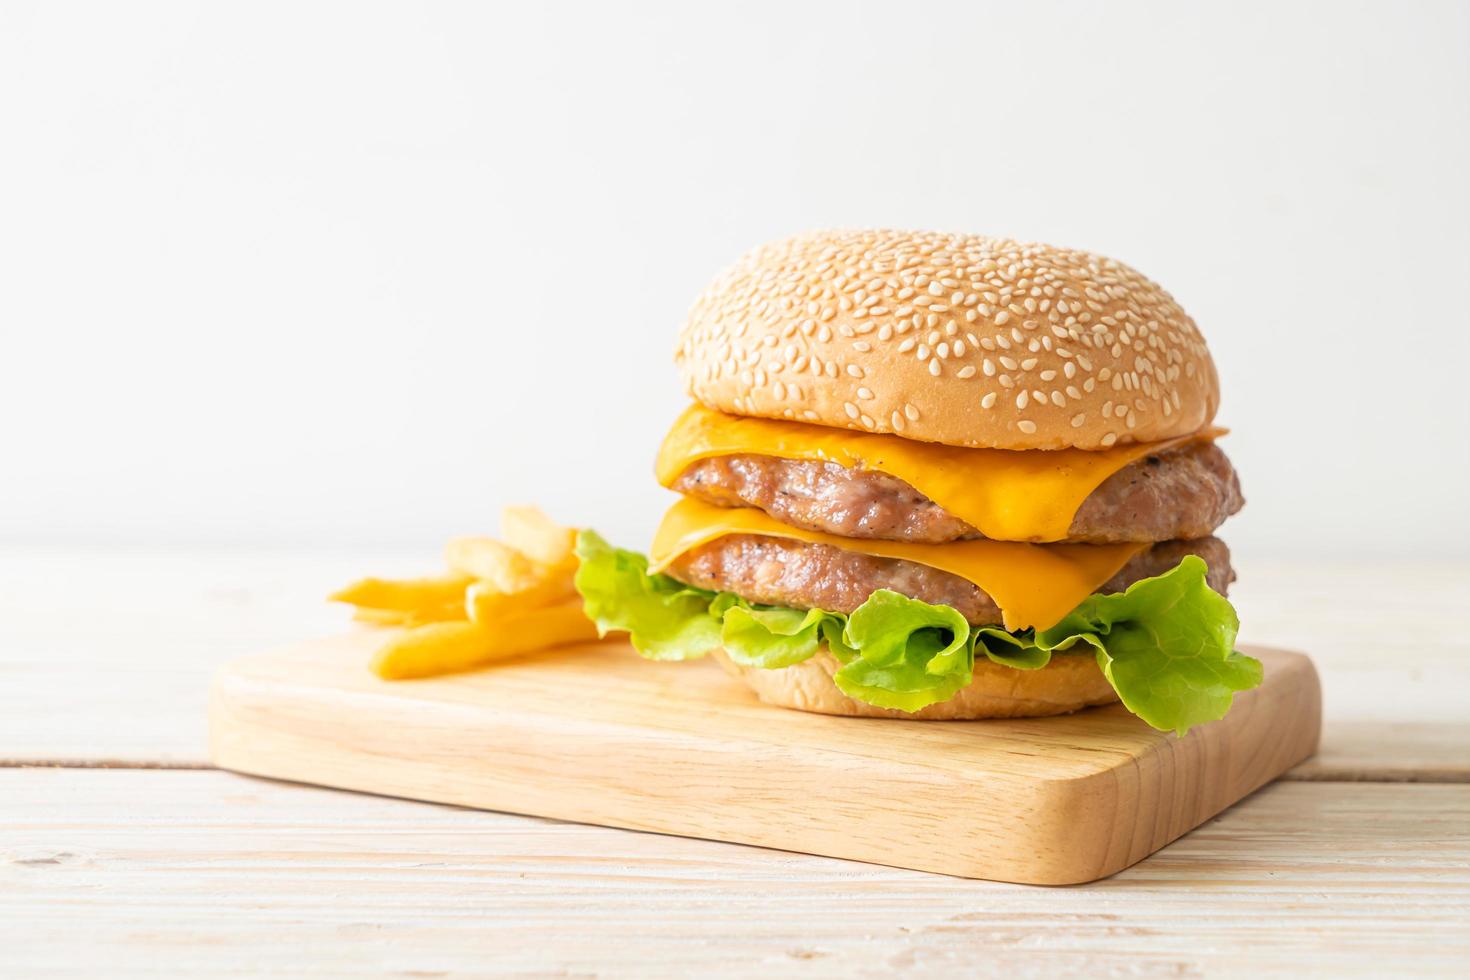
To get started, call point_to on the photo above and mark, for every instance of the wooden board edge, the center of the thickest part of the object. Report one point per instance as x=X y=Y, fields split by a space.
x=1268 y=731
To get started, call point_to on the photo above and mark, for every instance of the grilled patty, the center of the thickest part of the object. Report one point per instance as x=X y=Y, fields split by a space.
x=803 y=575
x=1182 y=493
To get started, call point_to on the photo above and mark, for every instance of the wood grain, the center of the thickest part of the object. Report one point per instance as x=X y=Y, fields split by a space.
x=134 y=658
x=597 y=734
x=193 y=873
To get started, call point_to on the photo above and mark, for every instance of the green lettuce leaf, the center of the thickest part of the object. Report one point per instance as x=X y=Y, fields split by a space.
x=1018 y=650
x=665 y=619
x=1167 y=645
x=903 y=653
x=772 y=637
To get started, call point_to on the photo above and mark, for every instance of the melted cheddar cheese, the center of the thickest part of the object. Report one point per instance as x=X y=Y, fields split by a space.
x=1006 y=495
x=1033 y=584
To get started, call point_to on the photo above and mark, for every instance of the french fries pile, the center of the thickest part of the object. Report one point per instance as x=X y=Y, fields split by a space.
x=499 y=599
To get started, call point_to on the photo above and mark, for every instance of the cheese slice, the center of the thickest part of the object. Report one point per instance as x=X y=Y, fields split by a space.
x=1007 y=495
x=1033 y=584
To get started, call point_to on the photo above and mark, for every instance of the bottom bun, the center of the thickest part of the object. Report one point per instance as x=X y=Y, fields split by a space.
x=1069 y=683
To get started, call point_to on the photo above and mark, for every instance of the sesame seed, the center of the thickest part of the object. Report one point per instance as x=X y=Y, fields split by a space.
x=1027 y=426
x=968 y=371
x=988 y=400
x=1078 y=419
x=850 y=409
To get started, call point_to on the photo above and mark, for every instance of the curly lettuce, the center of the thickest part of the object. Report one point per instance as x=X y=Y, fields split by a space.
x=665 y=619
x=1166 y=644
x=905 y=654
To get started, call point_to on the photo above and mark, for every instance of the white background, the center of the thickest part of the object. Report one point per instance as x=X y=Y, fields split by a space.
x=339 y=275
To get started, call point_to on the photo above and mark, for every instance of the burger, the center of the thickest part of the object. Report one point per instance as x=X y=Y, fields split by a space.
x=940 y=476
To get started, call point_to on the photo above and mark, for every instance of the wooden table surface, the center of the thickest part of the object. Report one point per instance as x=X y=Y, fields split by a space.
x=122 y=852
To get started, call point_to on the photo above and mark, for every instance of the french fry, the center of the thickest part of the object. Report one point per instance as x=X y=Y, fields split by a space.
x=486 y=603
x=442 y=648
x=500 y=599
x=380 y=617
x=454 y=612
x=492 y=561
x=405 y=595
x=531 y=532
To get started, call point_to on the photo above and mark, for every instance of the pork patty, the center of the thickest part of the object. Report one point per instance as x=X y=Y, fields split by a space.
x=1185 y=492
x=803 y=575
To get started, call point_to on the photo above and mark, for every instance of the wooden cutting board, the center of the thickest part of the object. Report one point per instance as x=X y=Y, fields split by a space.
x=597 y=735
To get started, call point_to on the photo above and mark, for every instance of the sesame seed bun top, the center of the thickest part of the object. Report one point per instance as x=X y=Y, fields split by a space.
x=958 y=339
